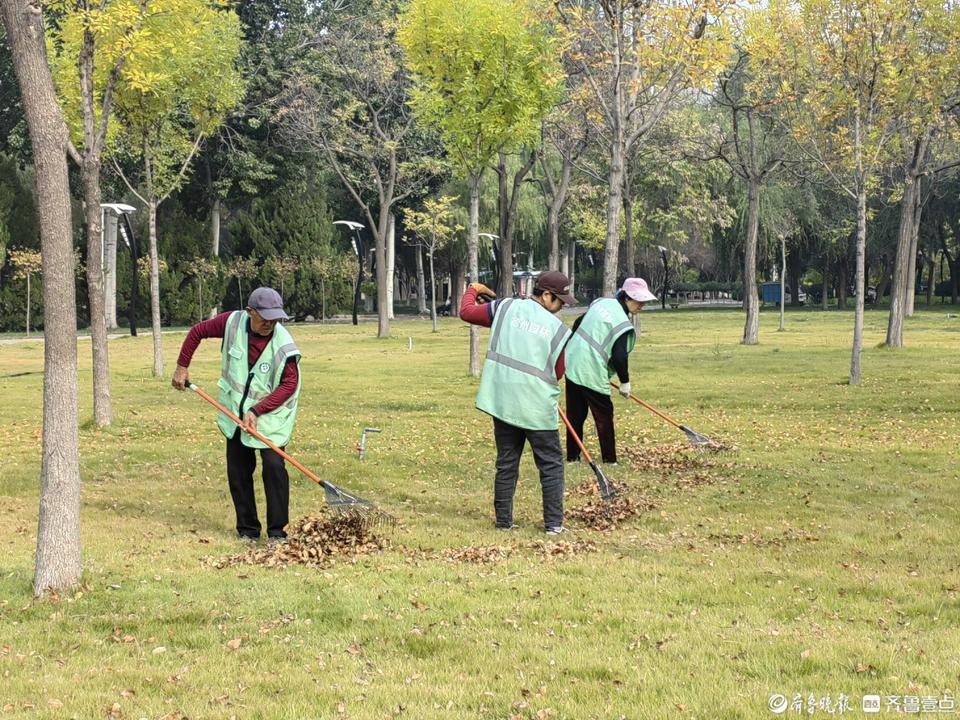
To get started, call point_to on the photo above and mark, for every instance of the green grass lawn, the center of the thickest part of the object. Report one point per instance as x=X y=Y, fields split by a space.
x=821 y=558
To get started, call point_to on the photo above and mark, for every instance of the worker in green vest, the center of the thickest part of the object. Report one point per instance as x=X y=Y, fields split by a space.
x=520 y=387
x=260 y=383
x=603 y=338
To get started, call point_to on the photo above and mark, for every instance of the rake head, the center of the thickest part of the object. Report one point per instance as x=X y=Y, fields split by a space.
x=701 y=442
x=607 y=490
x=342 y=503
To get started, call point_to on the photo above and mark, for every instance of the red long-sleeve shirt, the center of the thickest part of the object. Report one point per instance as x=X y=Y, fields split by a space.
x=216 y=328
x=482 y=314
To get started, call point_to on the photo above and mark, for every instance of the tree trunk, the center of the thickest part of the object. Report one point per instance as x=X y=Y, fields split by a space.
x=155 y=290
x=215 y=228
x=955 y=279
x=380 y=242
x=914 y=246
x=571 y=261
x=842 y=282
x=783 y=280
x=751 y=302
x=855 y=373
x=28 y=304
x=630 y=251
x=473 y=242
x=457 y=285
x=884 y=278
x=421 y=282
x=902 y=267
x=391 y=262
x=505 y=271
x=611 y=253
x=433 y=294
x=825 y=285
x=553 y=239
x=793 y=274
x=102 y=411
x=58 y=533
x=931 y=269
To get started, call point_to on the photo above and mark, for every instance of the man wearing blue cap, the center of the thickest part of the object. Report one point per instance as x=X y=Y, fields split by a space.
x=259 y=382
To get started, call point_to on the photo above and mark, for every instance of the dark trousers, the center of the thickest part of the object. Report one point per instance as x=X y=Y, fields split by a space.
x=549 y=459
x=241 y=462
x=579 y=400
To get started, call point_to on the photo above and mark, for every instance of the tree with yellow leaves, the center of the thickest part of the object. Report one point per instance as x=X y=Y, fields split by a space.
x=849 y=76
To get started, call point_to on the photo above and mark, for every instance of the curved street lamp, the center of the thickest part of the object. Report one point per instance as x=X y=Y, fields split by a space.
x=121 y=211
x=666 y=275
x=360 y=250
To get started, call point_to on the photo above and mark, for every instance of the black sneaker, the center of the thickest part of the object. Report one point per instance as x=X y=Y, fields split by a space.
x=509 y=527
x=249 y=539
x=557 y=530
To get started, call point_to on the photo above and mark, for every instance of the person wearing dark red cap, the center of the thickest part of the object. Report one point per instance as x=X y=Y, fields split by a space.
x=260 y=383
x=603 y=338
x=520 y=387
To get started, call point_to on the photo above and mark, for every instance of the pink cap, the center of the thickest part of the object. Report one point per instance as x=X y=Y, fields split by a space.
x=636 y=289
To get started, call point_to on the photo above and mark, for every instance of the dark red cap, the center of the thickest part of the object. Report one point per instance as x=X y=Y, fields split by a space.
x=555 y=282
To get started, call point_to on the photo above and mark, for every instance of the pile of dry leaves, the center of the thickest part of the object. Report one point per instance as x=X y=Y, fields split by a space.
x=315 y=541
x=599 y=514
x=607 y=514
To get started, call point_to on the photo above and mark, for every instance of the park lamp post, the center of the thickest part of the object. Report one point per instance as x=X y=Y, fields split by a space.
x=357 y=242
x=666 y=275
x=494 y=246
x=121 y=211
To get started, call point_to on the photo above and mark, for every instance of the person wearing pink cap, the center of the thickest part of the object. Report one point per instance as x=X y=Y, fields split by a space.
x=599 y=349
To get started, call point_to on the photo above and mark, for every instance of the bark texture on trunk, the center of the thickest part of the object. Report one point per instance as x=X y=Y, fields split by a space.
x=902 y=267
x=391 y=261
x=473 y=243
x=433 y=295
x=421 y=282
x=855 y=371
x=102 y=410
x=751 y=302
x=630 y=251
x=155 y=291
x=914 y=247
x=58 y=560
x=611 y=253
x=380 y=241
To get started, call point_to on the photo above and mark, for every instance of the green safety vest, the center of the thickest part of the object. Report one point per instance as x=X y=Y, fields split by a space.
x=519 y=384
x=242 y=386
x=588 y=352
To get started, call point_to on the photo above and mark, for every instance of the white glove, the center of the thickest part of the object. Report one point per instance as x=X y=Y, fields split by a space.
x=625 y=389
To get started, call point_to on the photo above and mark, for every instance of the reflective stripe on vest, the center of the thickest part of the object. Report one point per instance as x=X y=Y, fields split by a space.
x=519 y=384
x=242 y=386
x=588 y=354
x=548 y=373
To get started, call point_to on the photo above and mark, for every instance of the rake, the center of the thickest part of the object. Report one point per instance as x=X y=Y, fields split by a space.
x=340 y=501
x=607 y=491
x=697 y=440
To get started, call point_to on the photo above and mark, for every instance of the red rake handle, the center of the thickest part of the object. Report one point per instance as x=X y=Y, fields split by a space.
x=257 y=435
x=651 y=408
x=579 y=442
